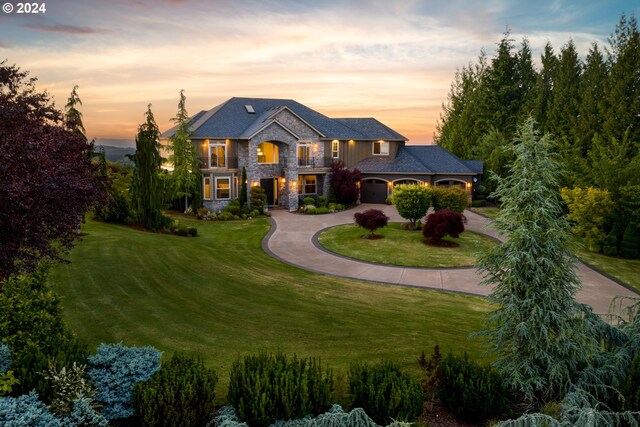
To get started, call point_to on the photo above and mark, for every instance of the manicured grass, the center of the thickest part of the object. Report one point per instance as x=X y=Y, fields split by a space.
x=402 y=247
x=489 y=211
x=625 y=270
x=221 y=296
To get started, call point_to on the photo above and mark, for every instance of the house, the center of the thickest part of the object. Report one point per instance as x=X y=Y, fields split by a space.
x=287 y=148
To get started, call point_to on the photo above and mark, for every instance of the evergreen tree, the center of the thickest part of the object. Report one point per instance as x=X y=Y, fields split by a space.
x=536 y=332
x=73 y=117
x=630 y=246
x=544 y=86
x=527 y=78
x=243 y=188
x=147 y=191
x=184 y=156
x=591 y=111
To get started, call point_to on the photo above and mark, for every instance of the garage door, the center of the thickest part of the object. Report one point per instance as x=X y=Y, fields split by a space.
x=373 y=191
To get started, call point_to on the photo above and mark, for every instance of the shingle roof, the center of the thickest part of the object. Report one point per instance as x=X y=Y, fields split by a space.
x=427 y=159
x=232 y=120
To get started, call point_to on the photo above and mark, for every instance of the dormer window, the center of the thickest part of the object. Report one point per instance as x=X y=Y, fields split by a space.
x=380 y=148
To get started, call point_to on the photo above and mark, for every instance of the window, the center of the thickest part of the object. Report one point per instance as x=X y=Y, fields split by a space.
x=381 y=148
x=267 y=153
x=206 y=188
x=305 y=158
x=217 y=155
x=335 y=149
x=223 y=188
x=307 y=184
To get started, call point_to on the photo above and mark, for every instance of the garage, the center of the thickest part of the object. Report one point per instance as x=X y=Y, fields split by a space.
x=373 y=191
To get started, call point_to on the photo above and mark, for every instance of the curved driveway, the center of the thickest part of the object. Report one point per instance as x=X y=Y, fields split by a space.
x=292 y=240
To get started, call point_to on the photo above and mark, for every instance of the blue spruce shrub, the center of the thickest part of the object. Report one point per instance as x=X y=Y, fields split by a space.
x=5 y=358
x=226 y=417
x=26 y=410
x=83 y=415
x=114 y=370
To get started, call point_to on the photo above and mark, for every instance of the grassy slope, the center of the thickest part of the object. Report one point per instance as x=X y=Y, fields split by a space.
x=220 y=295
x=401 y=247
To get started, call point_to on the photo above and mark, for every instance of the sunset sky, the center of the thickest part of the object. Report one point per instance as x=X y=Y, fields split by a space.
x=393 y=60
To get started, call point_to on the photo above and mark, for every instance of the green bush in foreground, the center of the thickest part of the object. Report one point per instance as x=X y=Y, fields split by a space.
x=470 y=391
x=385 y=392
x=181 y=393
x=266 y=387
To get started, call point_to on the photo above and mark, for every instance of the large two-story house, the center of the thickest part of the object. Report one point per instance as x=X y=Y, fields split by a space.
x=287 y=149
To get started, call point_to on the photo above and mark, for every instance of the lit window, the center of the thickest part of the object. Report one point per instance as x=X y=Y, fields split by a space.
x=217 y=155
x=223 y=187
x=335 y=148
x=304 y=155
x=207 y=188
x=381 y=148
x=267 y=153
x=307 y=184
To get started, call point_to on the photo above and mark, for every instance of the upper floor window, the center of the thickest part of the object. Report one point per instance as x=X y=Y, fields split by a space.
x=268 y=153
x=305 y=156
x=217 y=155
x=381 y=148
x=335 y=149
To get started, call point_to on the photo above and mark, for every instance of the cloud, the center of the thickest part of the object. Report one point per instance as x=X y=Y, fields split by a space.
x=65 y=29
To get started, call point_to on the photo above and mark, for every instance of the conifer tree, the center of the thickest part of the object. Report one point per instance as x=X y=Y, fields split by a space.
x=147 y=191
x=73 y=117
x=243 y=188
x=536 y=333
x=592 y=99
x=184 y=156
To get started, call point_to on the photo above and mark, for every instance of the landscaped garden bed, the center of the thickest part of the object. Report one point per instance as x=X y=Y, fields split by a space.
x=402 y=247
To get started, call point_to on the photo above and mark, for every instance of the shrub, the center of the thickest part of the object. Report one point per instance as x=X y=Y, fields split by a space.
x=182 y=231
x=388 y=201
x=470 y=391
x=308 y=201
x=69 y=385
x=589 y=209
x=331 y=206
x=7 y=380
x=181 y=393
x=371 y=220
x=202 y=213
x=257 y=198
x=344 y=183
x=339 y=207
x=5 y=357
x=114 y=370
x=233 y=207
x=322 y=201
x=630 y=245
x=255 y=213
x=225 y=216
x=384 y=392
x=317 y=211
x=84 y=415
x=442 y=223
x=452 y=198
x=412 y=202
x=479 y=203
x=26 y=410
x=193 y=232
x=267 y=387
x=430 y=374
x=610 y=244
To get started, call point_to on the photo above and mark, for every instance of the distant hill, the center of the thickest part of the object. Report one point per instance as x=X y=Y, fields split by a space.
x=117 y=154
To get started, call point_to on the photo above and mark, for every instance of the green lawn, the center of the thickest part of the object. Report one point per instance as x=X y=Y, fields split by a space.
x=402 y=247
x=220 y=295
x=489 y=211
x=626 y=270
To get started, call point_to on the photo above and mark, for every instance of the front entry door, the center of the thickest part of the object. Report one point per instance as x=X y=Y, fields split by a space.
x=268 y=184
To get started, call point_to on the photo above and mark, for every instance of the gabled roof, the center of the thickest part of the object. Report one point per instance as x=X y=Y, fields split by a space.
x=426 y=159
x=231 y=119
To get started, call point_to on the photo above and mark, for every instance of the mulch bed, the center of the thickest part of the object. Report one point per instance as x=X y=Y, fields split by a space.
x=439 y=417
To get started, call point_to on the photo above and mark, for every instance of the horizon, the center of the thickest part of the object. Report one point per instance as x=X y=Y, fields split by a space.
x=340 y=59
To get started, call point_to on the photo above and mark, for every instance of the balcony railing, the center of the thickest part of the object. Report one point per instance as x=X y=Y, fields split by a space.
x=314 y=163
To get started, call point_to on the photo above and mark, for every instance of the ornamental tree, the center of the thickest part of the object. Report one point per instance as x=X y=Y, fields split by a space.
x=537 y=332
x=371 y=220
x=147 y=186
x=344 y=183
x=412 y=202
x=442 y=223
x=589 y=208
x=47 y=181
x=184 y=156
x=452 y=198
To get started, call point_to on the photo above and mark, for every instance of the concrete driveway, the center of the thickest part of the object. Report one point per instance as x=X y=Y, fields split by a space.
x=292 y=239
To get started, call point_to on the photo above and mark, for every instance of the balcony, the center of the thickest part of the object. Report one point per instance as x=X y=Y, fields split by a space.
x=314 y=163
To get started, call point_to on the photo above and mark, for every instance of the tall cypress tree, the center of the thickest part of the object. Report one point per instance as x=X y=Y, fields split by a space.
x=592 y=99
x=73 y=117
x=147 y=190
x=184 y=156
x=536 y=333
x=544 y=87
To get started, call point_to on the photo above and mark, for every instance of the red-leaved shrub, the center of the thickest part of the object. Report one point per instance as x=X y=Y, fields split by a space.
x=371 y=219
x=441 y=223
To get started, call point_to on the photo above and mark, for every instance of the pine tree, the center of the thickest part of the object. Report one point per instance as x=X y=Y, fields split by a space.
x=184 y=156
x=536 y=332
x=630 y=246
x=147 y=191
x=73 y=117
x=544 y=87
x=592 y=95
